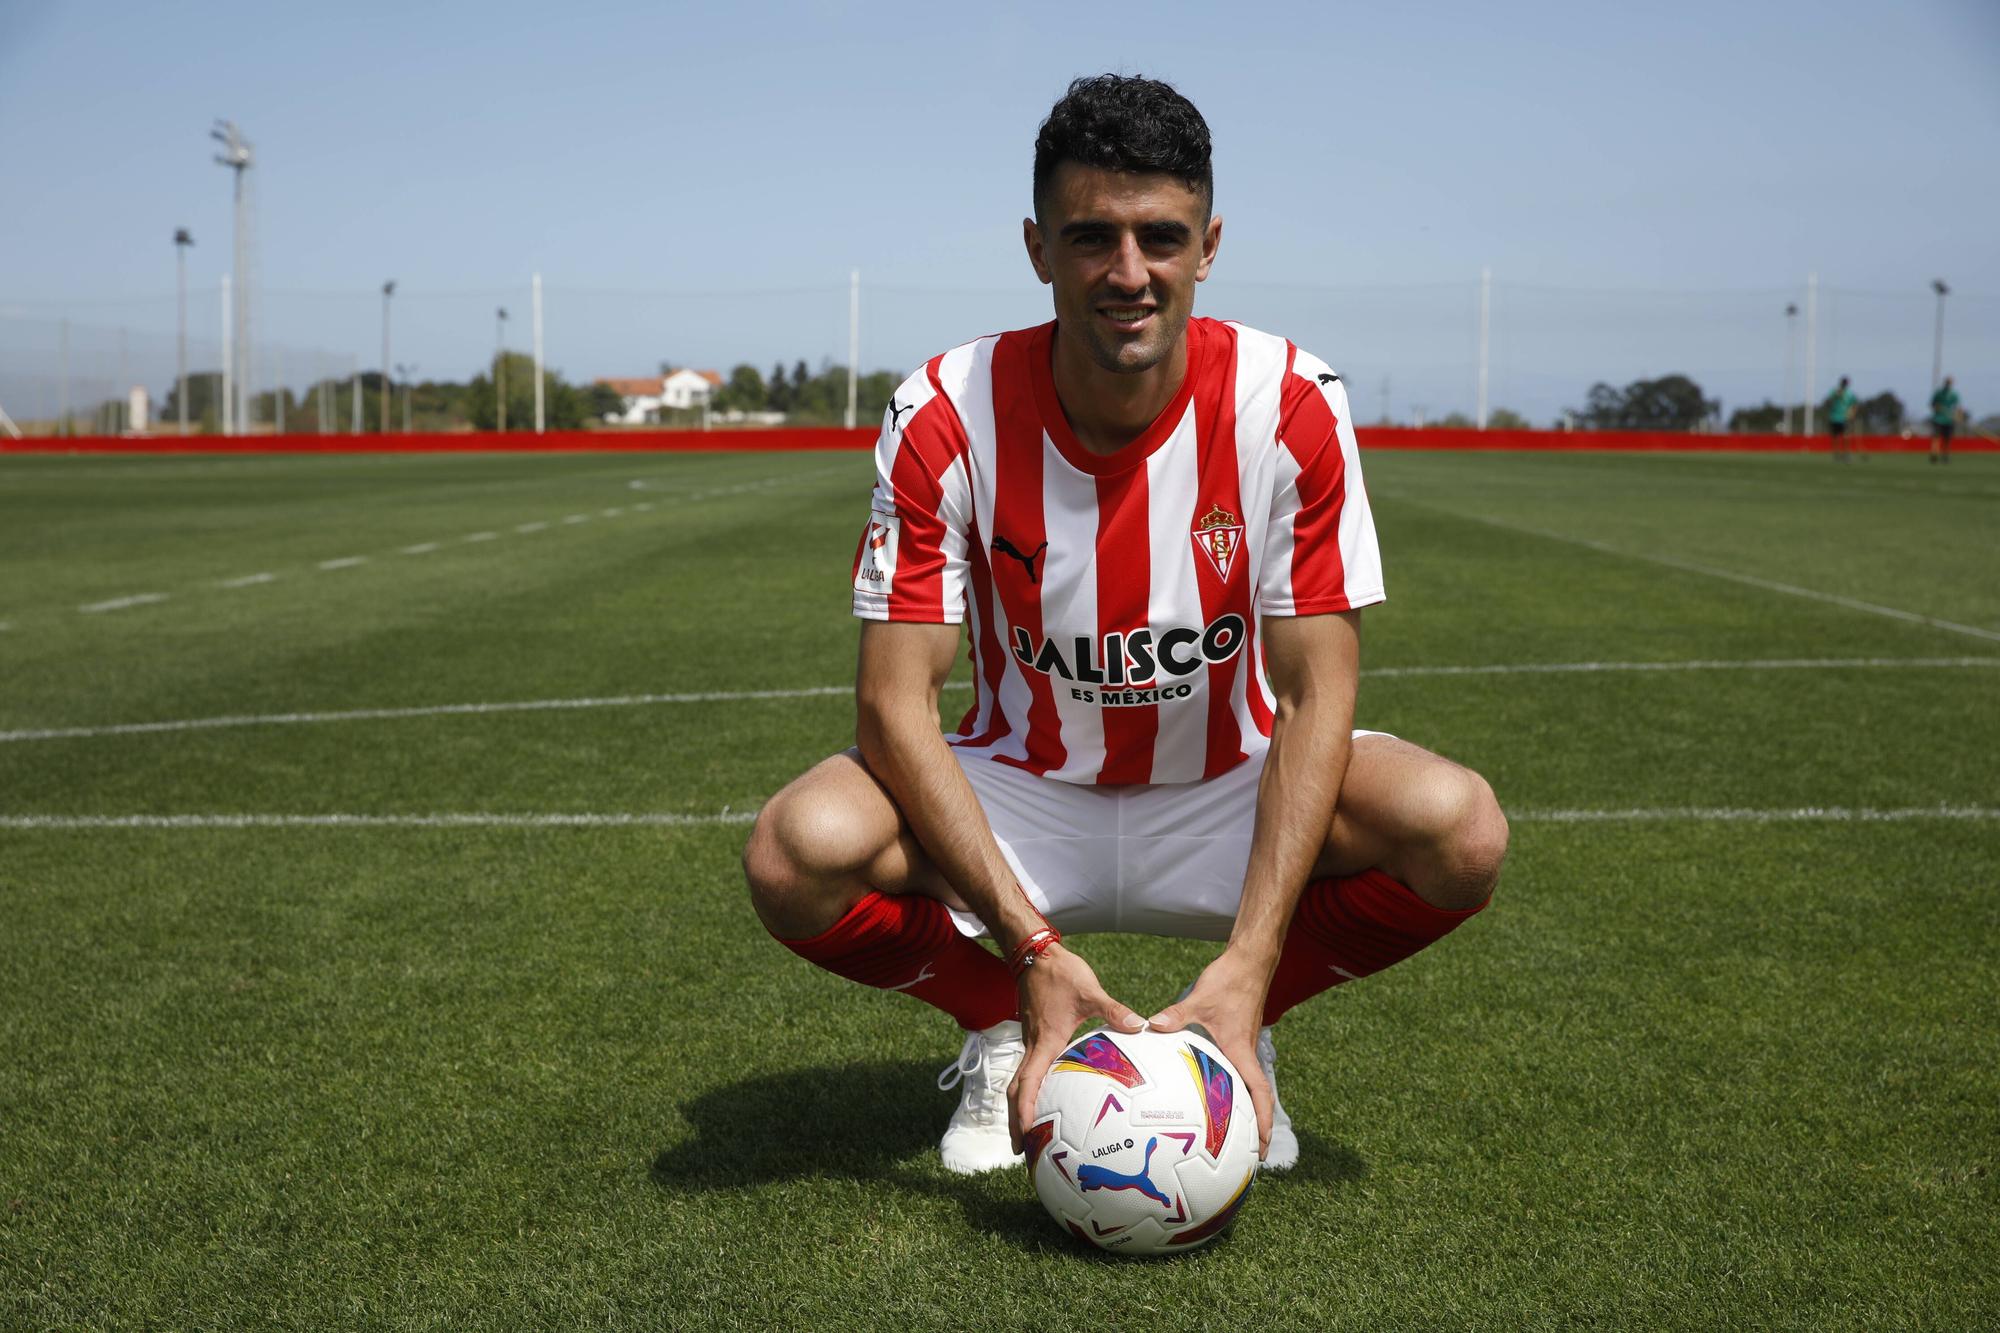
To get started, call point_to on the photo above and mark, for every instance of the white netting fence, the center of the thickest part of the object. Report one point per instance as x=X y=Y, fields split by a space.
x=1408 y=351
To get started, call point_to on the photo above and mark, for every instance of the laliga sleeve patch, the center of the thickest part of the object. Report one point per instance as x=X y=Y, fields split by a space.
x=877 y=571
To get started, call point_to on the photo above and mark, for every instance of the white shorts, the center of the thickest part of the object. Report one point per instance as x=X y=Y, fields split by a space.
x=1146 y=860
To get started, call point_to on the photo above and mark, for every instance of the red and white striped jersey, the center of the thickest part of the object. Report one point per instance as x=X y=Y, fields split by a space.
x=1114 y=601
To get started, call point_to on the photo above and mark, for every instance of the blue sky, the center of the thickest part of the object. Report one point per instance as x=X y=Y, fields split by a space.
x=1650 y=185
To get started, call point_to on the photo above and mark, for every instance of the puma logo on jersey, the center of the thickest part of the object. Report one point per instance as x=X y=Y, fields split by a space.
x=1002 y=546
x=896 y=411
x=1329 y=379
x=1133 y=657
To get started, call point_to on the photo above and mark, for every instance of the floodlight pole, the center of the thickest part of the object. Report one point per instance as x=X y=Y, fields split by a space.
x=181 y=242
x=538 y=354
x=853 y=341
x=500 y=365
x=1485 y=305
x=1791 y=354
x=388 y=290
x=236 y=155
x=228 y=418
x=62 y=379
x=1937 y=346
x=1812 y=334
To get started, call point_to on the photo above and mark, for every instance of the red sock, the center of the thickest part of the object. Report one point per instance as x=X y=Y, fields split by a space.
x=907 y=942
x=1346 y=929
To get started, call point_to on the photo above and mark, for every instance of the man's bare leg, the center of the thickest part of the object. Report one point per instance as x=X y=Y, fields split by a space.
x=1423 y=820
x=824 y=842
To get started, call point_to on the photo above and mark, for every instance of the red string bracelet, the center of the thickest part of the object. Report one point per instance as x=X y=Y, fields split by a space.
x=1029 y=950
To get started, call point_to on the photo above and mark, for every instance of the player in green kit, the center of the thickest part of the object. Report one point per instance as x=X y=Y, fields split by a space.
x=1839 y=409
x=1944 y=420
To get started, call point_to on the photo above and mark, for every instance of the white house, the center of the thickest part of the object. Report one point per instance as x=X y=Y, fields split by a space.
x=644 y=397
x=690 y=388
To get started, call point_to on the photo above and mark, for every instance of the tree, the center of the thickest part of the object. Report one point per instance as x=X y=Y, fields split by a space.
x=1767 y=418
x=1505 y=418
x=778 y=396
x=1881 y=415
x=564 y=406
x=1672 y=402
x=743 y=391
x=204 y=393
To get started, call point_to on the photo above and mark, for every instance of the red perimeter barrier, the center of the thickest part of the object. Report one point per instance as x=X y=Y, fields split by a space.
x=835 y=437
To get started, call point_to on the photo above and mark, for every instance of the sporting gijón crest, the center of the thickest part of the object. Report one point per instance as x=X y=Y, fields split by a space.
x=1219 y=536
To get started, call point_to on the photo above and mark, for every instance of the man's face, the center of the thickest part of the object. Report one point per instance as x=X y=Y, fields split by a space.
x=1123 y=251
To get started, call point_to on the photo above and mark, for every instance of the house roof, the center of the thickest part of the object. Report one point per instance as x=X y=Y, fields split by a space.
x=641 y=387
x=714 y=377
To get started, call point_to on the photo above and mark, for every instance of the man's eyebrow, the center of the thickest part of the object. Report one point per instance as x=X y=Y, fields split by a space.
x=1165 y=229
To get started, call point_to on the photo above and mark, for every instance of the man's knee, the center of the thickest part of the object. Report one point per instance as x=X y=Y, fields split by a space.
x=809 y=854
x=1467 y=833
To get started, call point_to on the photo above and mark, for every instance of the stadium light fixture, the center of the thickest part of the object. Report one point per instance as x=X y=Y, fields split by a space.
x=1937 y=345
x=500 y=365
x=182 y=240
x=388 y=290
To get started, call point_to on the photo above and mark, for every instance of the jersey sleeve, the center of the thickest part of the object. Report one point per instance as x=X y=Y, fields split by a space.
x=911 y=562
x=1320 y=553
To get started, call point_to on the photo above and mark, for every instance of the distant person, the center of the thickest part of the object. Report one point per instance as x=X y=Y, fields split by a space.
x=1944 y=420
x=1839 y=410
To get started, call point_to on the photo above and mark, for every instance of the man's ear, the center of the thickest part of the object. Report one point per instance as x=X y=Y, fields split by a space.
x=1031 y=237
x=1211 y=241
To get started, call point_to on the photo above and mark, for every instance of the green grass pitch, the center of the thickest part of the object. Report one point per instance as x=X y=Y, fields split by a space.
x=1707 y=1062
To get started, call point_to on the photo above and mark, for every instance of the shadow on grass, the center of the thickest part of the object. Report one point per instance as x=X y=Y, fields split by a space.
x=879 y=1121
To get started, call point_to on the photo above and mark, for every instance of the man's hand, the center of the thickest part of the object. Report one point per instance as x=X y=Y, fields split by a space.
x=1228 y=1001
x=1058 y=994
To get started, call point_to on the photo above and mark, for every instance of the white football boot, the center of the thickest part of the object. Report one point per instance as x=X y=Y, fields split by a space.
x=976 y=1140
x=1283 y=1153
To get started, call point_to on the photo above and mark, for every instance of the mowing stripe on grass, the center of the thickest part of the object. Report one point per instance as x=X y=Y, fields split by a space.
x=823 y=691
x=1693 y=567
x=1811 y=814
x=247 y=581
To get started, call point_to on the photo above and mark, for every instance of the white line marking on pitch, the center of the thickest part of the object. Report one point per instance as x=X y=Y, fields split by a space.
x=344 y=562
x=121 y=603
x=1754 y=664
x=536 y=526
x=644 y=506
x=437 y=710
x=828 y=691
x=1811 y=814
x=421 y=548
x=480 y=536
x=611 y=513
x=1700 y=814
x=1693 y=567
x=247 y=581
x=576 y=518
x=221 y=821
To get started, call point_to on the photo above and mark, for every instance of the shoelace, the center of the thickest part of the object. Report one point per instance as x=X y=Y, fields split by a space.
x=984 y=1096
x=971 y=1057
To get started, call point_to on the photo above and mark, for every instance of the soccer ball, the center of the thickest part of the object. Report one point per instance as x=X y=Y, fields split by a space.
x=1143 y=1143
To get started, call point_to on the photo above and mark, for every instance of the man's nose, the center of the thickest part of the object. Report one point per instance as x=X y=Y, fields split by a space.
x=1128 y=266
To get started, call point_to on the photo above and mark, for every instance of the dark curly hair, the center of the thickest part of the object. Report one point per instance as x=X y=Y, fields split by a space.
x=1126 y=124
